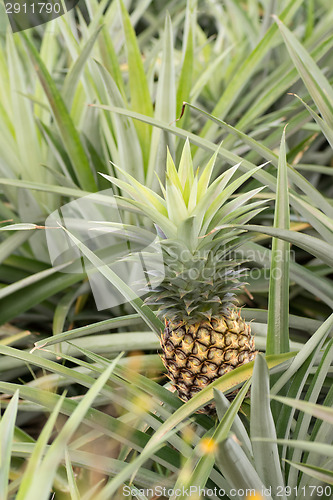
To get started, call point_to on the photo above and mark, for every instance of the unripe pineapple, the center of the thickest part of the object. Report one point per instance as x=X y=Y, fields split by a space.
x=197 y=354
x=205 y=336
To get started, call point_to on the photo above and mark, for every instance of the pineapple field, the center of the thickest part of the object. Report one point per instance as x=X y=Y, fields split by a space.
x=166 y=264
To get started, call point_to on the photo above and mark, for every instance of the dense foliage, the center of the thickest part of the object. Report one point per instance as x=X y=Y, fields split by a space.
x=87 y=411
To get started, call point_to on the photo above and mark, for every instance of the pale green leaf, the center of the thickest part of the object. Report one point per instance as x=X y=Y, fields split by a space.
x=7 y=425
x=319 y=473
x=278 y=298
x=266 y=456
x=314 y=79
x=316 y=410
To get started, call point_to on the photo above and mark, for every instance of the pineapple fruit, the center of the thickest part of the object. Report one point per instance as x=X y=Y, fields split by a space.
x=205 y=336
x=197 y=354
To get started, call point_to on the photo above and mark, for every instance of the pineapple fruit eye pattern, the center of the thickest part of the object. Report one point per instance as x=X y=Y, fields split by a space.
x=205 y=336
x=196 y=355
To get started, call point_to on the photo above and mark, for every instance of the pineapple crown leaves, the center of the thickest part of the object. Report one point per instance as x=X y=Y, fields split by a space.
x=193 y=219
x=191 y=205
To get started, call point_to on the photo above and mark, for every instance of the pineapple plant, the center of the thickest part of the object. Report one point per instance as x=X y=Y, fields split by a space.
x=205 y=336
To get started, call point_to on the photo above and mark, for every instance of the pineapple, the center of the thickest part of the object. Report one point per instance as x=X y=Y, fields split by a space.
x=205 y=335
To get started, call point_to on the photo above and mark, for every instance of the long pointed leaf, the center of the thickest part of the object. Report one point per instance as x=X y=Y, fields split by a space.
x=65 y=124
x=314 y=79
x=140 y=97
x=262 y=425
x=278 y=299
x=238 y=470
x=145 y=312
x=7 y=425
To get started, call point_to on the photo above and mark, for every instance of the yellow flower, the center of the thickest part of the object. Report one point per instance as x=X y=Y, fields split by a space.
x=207 y=446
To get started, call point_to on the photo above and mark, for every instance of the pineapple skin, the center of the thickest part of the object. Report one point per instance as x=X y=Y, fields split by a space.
x=197 y=354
